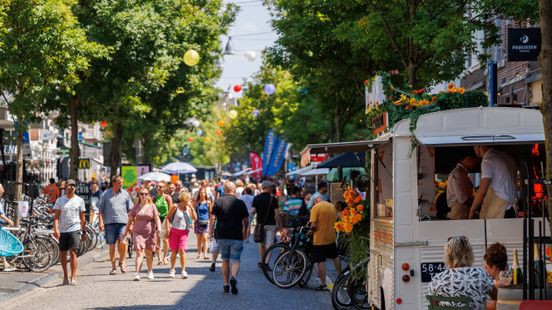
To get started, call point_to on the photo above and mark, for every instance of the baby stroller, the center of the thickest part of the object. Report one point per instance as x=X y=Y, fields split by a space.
x=9 y=245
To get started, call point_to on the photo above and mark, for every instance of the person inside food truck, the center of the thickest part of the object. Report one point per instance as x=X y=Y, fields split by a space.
x=460 y=187
x=497 y=191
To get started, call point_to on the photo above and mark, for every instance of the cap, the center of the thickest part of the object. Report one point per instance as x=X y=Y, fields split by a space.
x=71 y=182
x=267 y=184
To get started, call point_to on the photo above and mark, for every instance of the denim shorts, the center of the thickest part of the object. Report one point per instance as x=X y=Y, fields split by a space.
x=113 y=232
x=230 y=249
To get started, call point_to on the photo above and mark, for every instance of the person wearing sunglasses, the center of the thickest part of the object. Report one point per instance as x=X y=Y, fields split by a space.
x=460 y=278
x=164 y=203
x=143 y=223
x=69 y=221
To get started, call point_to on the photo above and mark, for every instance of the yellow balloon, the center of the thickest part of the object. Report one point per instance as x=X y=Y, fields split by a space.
x=220 y=123
x=191 y=58
x=233 y=114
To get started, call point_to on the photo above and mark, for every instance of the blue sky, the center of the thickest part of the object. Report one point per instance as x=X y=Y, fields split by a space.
x=252 y=18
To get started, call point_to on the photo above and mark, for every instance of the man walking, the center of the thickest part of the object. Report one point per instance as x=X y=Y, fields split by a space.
x=265 y=205
x=69 y=221
x=113 y=210
x=231 y=217
x=52 y=191
x=322 y=189
x=322 y=219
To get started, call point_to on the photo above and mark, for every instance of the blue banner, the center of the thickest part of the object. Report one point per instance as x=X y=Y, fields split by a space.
x=277 y=157
x=270 y=143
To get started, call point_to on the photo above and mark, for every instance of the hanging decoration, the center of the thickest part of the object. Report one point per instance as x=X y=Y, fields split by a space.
x=195 y=123
x=218 y=132
x=103 y=124
x=256 y=113
x=237 y=88
x=199 y=132
x=220 y=123
x=190 y=139
x=269 y=89
x=191 y=58
x=207 y=139
x=250 y=56
x=232 y=114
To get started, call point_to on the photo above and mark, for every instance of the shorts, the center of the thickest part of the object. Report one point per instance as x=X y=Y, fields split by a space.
x=230 y=249
x=178 y=239
x=201 y=228
x=69 y=241
x=270 y=234
x=113 y=232
x=322 y=252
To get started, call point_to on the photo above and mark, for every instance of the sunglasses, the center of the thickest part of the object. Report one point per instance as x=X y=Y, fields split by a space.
x=159 y=186
x=143 y=194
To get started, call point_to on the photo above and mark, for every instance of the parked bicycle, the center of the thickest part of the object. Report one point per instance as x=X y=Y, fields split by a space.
x=349 y=291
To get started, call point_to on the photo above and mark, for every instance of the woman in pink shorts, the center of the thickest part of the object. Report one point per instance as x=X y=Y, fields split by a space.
x=180 y=221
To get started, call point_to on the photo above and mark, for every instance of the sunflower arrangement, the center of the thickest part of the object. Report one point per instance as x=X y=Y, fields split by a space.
x=352 y=214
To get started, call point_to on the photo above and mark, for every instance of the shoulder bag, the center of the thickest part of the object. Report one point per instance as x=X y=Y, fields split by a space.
x=259 y=232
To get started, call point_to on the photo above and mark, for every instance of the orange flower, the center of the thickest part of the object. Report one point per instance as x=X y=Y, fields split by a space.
x=450 y=85
x=360 y=208
x=347 y=227
x=358 y=218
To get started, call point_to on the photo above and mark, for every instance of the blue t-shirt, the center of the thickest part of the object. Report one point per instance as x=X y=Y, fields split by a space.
x=203 y=211
x=292 y=206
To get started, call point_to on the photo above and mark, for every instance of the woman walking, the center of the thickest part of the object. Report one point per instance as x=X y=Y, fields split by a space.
x=203 y=208
x=178 y=224
x=163 y=202
x=144 y=223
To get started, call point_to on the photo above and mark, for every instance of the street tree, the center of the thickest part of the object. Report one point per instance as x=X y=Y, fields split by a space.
x=329 y=66
x=145 y=83
x=43 y=54
x=545 y=58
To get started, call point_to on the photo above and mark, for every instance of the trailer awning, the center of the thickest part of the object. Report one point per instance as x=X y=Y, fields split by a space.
x=480 y=126
x=339 y=147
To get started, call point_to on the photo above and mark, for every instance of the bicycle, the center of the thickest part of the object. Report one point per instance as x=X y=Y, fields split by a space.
x=349 y=291
x=295 y=266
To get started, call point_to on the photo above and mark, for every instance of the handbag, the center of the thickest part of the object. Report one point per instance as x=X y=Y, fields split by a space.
x=259 y=232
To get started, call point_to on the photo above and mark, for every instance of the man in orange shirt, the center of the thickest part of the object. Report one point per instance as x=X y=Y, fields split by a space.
x=322 y=219
x=52 y=191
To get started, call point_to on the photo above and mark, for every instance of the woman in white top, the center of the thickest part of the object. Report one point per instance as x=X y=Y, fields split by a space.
x=180 y=219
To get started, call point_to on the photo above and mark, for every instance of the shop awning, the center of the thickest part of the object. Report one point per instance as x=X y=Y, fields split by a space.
x=349 y=159
x=339 y=147
x=317 y=171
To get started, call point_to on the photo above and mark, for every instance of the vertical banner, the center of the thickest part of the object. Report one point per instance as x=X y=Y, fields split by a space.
x=270 y=142
x=256 y=165
x=277 y=157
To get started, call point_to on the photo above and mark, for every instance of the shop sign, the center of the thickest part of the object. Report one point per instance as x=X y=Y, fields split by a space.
x=524 y=44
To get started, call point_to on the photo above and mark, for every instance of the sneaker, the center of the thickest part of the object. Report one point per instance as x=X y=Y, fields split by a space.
x=171 y=273
x=184 y=275
x=150 y=276
x=137 y=277
x=234 y=284
x=226 y=288
x=9 y=268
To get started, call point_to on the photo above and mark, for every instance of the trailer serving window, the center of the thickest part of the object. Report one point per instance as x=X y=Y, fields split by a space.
x=382 y=162
x=435 y=163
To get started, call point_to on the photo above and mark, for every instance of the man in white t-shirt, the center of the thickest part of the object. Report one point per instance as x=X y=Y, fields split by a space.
x=69 y=221
x=497 y=190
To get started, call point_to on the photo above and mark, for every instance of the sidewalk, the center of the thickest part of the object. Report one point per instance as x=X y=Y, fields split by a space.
x=17 y=283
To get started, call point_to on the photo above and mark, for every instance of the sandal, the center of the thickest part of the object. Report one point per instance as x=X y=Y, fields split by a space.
x=166 y=261
x=321 y=288
x=113 y=272
x=123 y=268
x=212 y=268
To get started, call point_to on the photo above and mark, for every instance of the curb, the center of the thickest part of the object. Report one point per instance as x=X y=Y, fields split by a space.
x=43 y=280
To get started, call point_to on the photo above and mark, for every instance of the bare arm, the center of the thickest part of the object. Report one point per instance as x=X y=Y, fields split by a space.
x=480 y=195
x=56 y=223
x=5 y=218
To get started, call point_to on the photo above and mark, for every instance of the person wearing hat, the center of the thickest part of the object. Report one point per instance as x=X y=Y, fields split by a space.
x=69 y=221
x=265 y=205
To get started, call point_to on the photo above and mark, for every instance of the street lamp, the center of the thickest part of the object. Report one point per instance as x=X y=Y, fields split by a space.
x=229 y=49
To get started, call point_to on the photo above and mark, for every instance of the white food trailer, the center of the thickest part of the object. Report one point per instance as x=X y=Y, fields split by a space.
x=406 y=239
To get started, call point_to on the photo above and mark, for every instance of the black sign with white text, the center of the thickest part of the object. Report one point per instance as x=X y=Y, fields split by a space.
x=524 y=44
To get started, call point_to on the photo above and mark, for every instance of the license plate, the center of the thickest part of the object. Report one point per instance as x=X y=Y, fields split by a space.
x=429 y=270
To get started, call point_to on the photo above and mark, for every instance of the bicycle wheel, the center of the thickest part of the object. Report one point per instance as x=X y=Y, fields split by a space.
x=359 y=295
x=270 y=256
x=340 y=292
x=289 y=268
x=37 y=257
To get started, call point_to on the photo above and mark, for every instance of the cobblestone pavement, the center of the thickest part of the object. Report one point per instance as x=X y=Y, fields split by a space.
x=97 y=289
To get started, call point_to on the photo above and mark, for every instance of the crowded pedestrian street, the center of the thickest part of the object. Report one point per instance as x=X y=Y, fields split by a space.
x=97 y=289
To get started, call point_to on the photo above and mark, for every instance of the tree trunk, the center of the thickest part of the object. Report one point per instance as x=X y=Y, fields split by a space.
x=411 y=69
x=546 y=67
x=19 y=170
x=75 y=150
x=115 y=155
x=338 y=124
